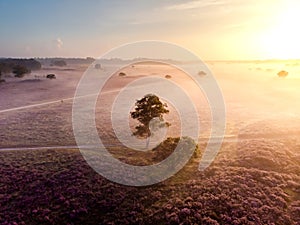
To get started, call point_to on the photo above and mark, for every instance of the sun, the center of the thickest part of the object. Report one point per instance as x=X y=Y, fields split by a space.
x=282 y=40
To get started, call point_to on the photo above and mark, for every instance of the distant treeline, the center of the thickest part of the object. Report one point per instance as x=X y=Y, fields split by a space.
x=89 y=60
x=9 y=65
x=59 y=61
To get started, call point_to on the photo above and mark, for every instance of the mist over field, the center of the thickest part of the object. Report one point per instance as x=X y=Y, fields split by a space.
x=150 y=112
x=253 y=180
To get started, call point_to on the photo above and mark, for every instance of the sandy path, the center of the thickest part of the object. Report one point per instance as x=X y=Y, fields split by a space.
x=227 y=139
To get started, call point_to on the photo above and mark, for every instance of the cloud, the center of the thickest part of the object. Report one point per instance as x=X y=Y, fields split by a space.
x=194 y=5
x=58 y=43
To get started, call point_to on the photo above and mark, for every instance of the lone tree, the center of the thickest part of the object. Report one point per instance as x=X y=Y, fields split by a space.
x=149 y=112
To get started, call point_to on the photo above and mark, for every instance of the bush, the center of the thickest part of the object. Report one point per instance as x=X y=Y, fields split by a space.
x=168 y=76
x=167 y=147
x=51 y=76
x=97 y=66
x=122 y=74
x=20 y=70
x=282 y=73
x=201 y=73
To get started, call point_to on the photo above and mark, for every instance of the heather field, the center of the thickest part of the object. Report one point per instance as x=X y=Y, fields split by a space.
x=255 y=178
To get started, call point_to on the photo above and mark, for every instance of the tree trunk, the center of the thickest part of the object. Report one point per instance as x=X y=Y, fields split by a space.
x=148 y=142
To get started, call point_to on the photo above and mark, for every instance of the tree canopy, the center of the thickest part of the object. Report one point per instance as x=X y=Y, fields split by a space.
x=146 y=109
x=18 y=66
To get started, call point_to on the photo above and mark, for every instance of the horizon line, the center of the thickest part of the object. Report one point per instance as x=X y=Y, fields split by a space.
x=206 y=60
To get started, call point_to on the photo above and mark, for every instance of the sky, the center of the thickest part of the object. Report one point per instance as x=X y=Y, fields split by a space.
x=212 y=29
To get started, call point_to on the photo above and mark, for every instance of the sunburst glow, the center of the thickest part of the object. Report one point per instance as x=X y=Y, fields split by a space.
x=282 y=39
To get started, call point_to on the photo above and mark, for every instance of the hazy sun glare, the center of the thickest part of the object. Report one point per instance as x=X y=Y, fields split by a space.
x=281 y=40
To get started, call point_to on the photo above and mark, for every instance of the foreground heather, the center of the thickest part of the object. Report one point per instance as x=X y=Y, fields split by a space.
x=58 y=187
